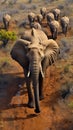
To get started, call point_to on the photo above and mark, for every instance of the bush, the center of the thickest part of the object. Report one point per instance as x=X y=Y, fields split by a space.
x=71 y=104
x=67 y=68
x=5 y=36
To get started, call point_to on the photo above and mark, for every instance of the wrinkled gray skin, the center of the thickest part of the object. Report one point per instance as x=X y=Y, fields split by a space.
x=35 y=56
x=64 y=24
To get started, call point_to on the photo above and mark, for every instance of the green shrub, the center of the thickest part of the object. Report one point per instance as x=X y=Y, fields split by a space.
x=5 y=36
x=70 y=104
x=66 y=68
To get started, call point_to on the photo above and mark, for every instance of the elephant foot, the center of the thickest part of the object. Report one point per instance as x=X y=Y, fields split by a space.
x=37 y=110
x=41 y=97
x=30 y=104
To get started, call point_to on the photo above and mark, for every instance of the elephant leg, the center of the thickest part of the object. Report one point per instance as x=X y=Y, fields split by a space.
x=63 y=26
x=5 y=24
x=55 y=34
x=52 y=33
x=65 y=31
x=29 y=90
x=57 y=17
x=41 y=96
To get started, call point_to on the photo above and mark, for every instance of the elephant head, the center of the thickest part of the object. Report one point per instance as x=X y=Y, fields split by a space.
x=34 y=57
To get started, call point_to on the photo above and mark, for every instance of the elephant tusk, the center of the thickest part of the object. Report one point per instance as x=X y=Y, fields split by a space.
x=28 y=74
x=41 y=71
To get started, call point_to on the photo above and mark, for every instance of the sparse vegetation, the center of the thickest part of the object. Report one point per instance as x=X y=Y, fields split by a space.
x=30 y=1
x=66 y=68
x=4 y=64
x=70 y=104
x=5 y=36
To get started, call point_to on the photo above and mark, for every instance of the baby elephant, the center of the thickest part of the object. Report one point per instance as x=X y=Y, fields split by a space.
x=6 y=21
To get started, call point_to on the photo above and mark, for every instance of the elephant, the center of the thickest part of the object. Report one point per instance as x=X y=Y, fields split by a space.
x=6 y=21
x=35 y=56
x=39 y=18
x=64 y=24
x=43 y=12
x=56 y=13
x=54 y=28
x=50 y=17
x=31 y=18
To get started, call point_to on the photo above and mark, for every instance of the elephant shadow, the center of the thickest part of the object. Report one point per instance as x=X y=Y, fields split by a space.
x=30 y=116
x=10 y=84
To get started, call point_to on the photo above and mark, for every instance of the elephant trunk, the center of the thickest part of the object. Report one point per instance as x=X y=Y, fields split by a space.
x=35 y=82
x=35 y=70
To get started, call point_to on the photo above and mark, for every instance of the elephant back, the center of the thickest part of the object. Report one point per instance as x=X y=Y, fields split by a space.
x=36 y=36
x=55 y=24
x=7 y=17
x=40 y=35
x=65 y=19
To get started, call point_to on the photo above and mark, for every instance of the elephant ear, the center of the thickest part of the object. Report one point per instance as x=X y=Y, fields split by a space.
x=51 y=52
x=19 y=51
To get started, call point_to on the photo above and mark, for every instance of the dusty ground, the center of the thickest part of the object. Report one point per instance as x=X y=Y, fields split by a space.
x=56 y=112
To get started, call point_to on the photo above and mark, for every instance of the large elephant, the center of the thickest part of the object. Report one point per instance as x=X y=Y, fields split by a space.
x=35 y=56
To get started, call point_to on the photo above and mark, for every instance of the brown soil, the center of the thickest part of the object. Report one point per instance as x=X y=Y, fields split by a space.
x=55 y=111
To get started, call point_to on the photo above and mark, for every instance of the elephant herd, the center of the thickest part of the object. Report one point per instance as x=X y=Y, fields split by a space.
x=53 y=18
x=35 y=52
